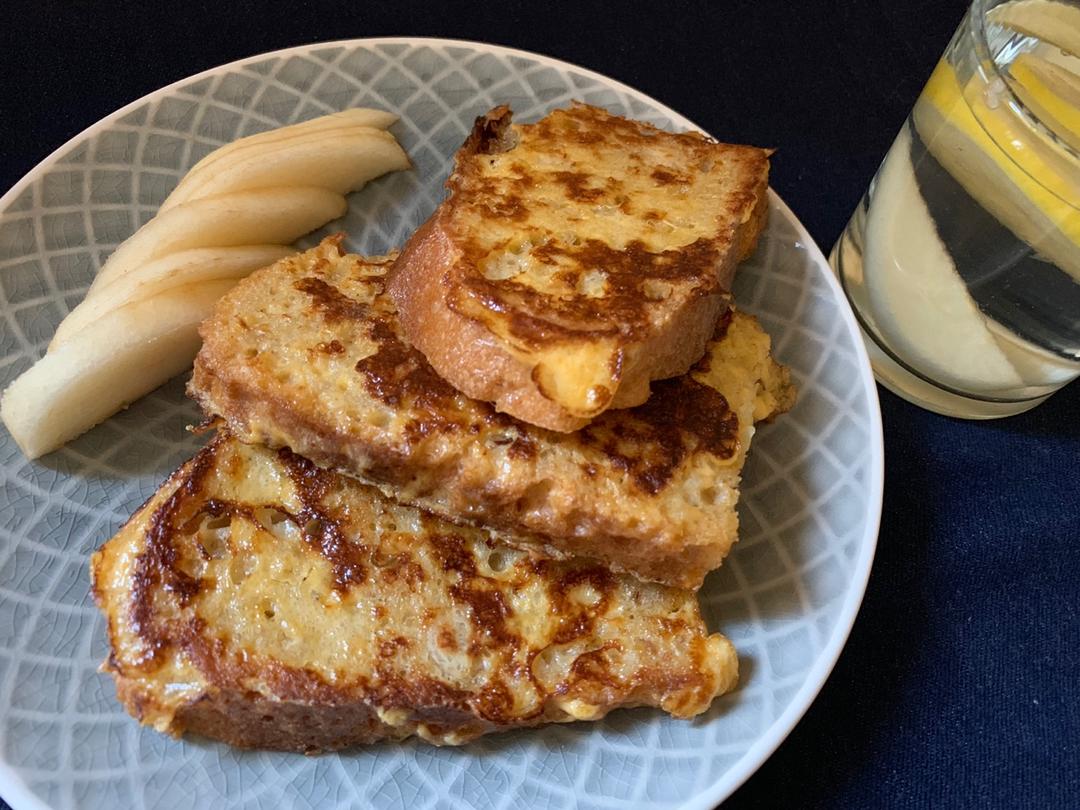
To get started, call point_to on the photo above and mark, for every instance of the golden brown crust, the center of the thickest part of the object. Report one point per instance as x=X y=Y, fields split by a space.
x=460 y=347
x=519 y=293
x=650 y=489
x=263 y=601
x=240 y=719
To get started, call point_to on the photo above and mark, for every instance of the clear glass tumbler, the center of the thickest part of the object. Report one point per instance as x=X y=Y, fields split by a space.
x=962 y=261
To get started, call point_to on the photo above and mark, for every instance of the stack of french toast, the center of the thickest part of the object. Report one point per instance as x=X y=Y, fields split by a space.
x=473 y=486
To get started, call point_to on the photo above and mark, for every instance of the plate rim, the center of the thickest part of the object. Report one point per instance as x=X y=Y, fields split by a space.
x=13 y=788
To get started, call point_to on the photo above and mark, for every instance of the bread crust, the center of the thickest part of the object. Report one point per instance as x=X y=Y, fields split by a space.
x=258 y=600
x=465 y=353
x=290 y=359
x=468 y=343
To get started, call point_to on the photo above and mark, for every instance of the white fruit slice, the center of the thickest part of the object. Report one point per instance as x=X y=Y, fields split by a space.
x=116 y=360
x=337 y=123
x=338 y=161
x=230 y=215
x=346 y=119
x=918 y=299
x=198 y=265
x=275 y=216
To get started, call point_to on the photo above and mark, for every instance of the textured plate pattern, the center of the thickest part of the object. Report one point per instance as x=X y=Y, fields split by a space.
x=786 y=597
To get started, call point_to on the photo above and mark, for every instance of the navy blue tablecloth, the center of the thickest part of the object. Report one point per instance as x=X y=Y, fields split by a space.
x=959 y=685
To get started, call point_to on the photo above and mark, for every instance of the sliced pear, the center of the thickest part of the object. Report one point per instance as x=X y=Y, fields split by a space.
x=338 y=161
x=230 y=215
x=116 y=360
x=196 y=264
x=1050 y=21
x=268 y=216
x=339 y=123
x=199 y=265
x=919 y=301
x=346 y=119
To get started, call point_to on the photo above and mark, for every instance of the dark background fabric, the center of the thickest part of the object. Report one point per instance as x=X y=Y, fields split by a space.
x=960 y=684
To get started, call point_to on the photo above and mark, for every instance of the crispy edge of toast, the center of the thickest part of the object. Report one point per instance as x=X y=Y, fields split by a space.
x=560 y=524
x=313 y=716
x=472 y=359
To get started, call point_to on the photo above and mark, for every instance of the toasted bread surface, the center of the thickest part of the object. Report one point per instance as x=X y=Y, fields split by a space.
x=577 y=259
x=263 y=601
x=308 y=354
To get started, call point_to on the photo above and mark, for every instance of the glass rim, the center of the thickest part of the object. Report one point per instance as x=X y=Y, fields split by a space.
x=977 y=29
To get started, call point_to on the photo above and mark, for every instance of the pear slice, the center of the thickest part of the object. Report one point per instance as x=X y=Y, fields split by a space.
x=341 y=161
x=346 y=119
x=339 y=123
x=276 y=216
x=920 y=304
x=115 y=361
x=199 y=265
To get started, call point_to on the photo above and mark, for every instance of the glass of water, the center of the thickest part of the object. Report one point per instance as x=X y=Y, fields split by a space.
x=962 y=261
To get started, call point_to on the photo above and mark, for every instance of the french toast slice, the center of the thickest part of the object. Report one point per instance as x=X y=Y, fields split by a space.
x=260 y=600
x=309 y=354
x=577 y=259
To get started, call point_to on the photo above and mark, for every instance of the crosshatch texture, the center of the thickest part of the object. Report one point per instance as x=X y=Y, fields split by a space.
x=785 y=597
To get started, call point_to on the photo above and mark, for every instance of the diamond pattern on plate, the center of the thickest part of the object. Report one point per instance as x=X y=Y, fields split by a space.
x=785 y=597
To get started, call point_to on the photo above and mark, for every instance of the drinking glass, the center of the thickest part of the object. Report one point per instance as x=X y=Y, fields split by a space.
x=962 y=261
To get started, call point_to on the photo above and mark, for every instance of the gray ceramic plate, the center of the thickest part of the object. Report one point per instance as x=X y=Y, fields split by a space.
x=786 y=597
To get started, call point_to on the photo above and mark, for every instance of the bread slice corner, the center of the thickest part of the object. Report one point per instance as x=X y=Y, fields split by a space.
x=577 y=259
